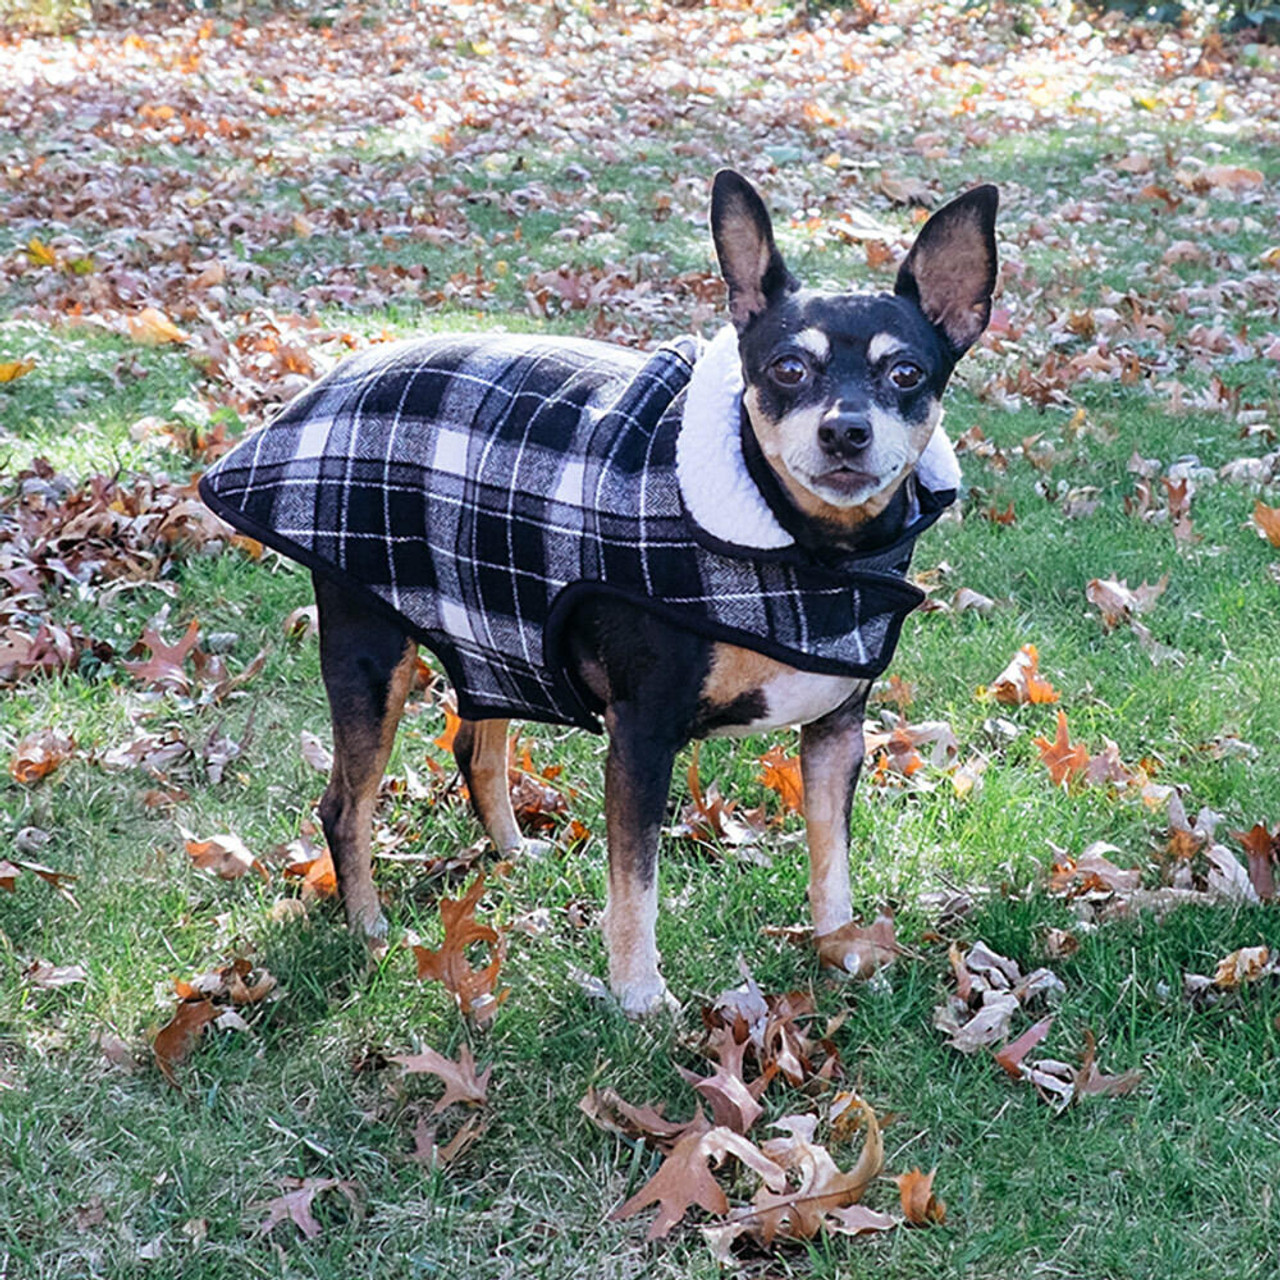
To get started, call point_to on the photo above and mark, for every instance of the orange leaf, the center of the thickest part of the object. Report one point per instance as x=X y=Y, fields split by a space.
x=1063 y=760
x=225 y=855
x=1267 y=521
x=152 y=328
x=782 y=774
x=452 y=723
x=1263 y=850
x=1021 y=681
x=319 y=879
x=919 y=1203
x=175 y=1039
x=12 y=370
x=39 y=754
x=472 y=988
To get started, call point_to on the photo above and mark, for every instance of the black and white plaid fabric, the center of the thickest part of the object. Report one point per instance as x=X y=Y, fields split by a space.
x=480 y=486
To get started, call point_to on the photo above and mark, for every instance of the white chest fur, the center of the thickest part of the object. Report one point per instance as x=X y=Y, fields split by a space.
x=790 y=697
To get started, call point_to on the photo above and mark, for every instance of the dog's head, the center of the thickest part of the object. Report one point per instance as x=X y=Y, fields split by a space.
x=843 y=390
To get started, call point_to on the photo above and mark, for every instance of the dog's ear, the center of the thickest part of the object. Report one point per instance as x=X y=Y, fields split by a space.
x=951 y=270
x=749 y=260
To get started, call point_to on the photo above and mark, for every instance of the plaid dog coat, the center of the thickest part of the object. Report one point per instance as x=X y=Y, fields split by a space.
x=480 y=486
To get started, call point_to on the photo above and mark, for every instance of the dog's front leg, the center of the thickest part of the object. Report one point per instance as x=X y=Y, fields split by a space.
x=831 y=750
x=637 y=780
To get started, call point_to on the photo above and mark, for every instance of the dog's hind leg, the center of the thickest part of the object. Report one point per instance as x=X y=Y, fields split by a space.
x=636 y=781
x=367 y=663
x=480 y=748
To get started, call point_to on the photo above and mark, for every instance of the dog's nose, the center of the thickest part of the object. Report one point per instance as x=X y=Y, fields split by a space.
x=844 y=433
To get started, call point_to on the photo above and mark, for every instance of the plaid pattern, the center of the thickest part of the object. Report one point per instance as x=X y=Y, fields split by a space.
x=479 y=486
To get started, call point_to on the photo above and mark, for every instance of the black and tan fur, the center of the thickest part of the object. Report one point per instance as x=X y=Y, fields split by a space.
x=843 y=392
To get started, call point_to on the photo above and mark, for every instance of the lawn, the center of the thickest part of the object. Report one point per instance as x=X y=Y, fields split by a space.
x=201 y=211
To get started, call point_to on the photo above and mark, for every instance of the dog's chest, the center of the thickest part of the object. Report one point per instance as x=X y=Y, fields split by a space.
x=746 y=692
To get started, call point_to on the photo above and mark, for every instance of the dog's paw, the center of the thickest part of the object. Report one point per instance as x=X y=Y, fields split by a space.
x=646 y=999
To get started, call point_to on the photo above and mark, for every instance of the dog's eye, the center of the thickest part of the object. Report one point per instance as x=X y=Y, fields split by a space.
x=906 y=375
x=788 y=371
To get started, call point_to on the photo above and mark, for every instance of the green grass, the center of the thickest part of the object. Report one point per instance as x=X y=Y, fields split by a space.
x=113 y=1173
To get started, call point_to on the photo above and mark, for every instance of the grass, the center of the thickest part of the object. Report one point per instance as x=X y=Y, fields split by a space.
x=114 y=1173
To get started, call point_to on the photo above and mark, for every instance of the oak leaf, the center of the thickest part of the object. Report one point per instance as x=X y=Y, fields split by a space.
x=607 y=1109
x=1118 y=602
x=1263 y=850
x=1064 y=760
x=295 y=1205
x=684 y=1180
x=860 y=950
x=782 y=774
x=733 y=1102
x=472 y=988
x=1089 y=1080
x=1010 y=1057
x=797 y=1212
x=1267 y=522
x=165 y=668
x=460 y=1080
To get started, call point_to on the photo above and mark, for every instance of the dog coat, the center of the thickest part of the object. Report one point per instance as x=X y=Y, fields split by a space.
x=479 y=487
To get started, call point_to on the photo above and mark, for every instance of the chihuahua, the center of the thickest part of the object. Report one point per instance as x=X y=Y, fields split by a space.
x=709 y=539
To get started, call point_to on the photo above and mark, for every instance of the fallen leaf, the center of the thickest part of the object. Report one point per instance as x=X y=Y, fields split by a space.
x=175 y=1040
x=461 y=1083
x=858 y=950
x=472 y=988
x=1021 y=681
x=1245 y=965
x=782 y=774
x=1010 y=1057
x=1267 y=522
x=225 y=855
x=39 y=754
x=1263 y=851
x=152 y=328
x=684 y=1180
x=295 y=1205
x=919 y=1204
x=1064 y=760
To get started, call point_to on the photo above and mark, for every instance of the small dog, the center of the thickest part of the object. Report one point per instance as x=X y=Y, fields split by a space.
x=711 y=539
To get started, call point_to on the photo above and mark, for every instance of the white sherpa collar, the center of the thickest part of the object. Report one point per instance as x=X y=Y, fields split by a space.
x=718 y=491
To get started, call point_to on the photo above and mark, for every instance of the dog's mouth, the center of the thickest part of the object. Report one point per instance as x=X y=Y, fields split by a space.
x=846 y=480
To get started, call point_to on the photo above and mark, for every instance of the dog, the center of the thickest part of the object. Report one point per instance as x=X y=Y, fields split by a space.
x=710 y=539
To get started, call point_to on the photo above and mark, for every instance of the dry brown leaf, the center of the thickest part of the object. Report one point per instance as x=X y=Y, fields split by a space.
x=1267 y=521
x=733 y=1103
x=460 y=1080
x=295 y=1205
x=225 y=855
x=1263 y=851
x=152 y=328
x=175 y=1040
x=796 y=1212
x=1089 y=1080
x=1119 y=603
x=607 y=1109
x=472 y=988
x=860 y=950
x=1011 y=1056
x=684 y=1180
x=39 y=754
x=1245 y=965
